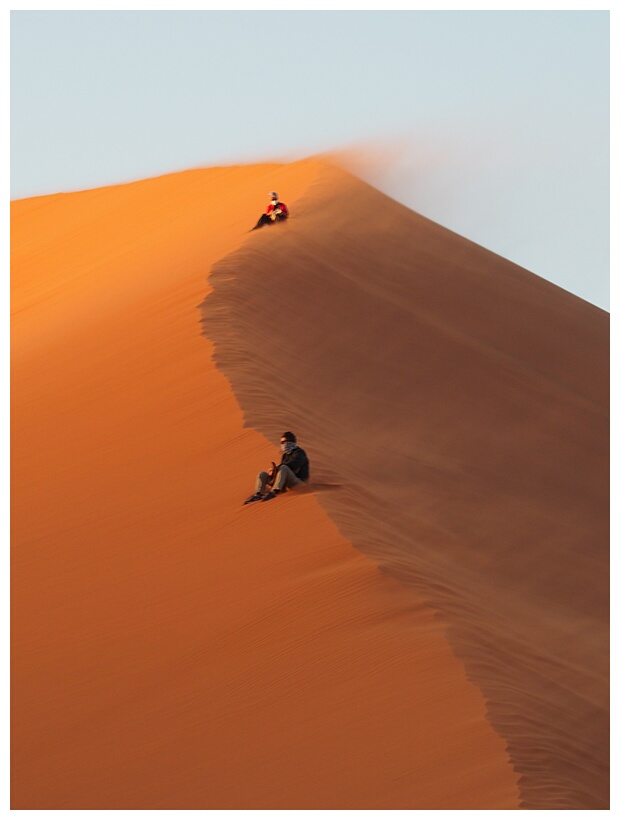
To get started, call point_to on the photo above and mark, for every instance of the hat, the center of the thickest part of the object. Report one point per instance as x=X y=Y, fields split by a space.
x=289 y=437
x=273 y=195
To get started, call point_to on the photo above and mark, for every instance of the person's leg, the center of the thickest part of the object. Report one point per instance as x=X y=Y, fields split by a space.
x=262 y=480
x=264 y=220
x=285 y=479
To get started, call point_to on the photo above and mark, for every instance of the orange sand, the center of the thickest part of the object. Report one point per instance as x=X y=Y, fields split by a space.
x=170 y=647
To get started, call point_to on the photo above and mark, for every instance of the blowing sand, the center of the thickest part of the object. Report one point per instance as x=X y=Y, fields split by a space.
x=426 y=629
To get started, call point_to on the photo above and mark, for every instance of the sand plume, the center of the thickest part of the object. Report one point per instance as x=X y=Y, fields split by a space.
x=171 y=648
x=460 y=404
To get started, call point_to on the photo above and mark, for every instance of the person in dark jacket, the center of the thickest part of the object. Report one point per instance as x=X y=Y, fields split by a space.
x=276 y=212
x=294 y=469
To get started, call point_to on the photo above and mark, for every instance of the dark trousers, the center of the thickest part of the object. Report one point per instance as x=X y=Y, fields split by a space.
x=267 y=220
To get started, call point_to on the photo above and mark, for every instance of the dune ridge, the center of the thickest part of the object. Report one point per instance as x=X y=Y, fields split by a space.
x=459 y=408
x=170 y=648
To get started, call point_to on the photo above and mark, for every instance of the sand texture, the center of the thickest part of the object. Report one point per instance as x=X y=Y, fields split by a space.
x=427 y=628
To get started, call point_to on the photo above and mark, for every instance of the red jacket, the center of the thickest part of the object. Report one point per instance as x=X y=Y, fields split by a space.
x=280 y=205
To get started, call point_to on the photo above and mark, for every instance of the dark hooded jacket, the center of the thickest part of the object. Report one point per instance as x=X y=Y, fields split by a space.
x=297 y=461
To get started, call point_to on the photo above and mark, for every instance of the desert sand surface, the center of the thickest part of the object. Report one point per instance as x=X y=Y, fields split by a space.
x=425 y=629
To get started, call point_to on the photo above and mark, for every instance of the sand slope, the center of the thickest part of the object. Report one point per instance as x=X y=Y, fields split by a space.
x=461 y=405
x=171 y=648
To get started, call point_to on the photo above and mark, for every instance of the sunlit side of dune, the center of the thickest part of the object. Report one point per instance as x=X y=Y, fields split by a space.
x=170 y=647
x=459 y=406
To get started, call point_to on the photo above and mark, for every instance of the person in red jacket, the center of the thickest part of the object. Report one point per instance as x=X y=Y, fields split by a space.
x=276 y=212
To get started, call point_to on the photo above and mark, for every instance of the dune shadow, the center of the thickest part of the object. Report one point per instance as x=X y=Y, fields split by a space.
x=323 y=486
x=463 y=403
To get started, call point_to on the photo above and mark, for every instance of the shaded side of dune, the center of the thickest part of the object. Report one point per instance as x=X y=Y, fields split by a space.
x=455 y=408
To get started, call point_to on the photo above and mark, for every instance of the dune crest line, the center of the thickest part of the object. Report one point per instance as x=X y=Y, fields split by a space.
x=461 y=404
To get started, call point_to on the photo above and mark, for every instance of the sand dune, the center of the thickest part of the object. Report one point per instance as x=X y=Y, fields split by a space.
x=427 y=629
x=461 y=404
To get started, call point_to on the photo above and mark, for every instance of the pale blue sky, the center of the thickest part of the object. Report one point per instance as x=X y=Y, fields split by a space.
x=495 y=124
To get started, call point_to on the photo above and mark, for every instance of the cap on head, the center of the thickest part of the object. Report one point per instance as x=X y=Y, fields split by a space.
x=288 y=436
x=273 y=195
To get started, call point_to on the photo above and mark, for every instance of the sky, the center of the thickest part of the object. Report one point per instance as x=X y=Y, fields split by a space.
x=493 y=123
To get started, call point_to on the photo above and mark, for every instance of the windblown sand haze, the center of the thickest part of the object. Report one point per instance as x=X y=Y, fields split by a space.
x=426 y=627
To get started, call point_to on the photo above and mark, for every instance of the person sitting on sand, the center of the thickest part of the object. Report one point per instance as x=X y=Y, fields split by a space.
x=294 y=469
x=276 y=212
